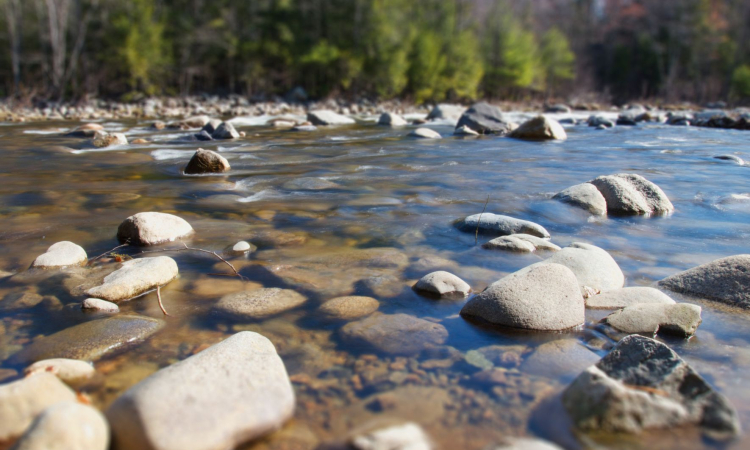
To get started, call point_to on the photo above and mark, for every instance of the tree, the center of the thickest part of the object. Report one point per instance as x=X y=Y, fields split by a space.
x=557 y=59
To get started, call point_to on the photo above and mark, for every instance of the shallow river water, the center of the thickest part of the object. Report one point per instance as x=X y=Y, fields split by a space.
x=386 y=221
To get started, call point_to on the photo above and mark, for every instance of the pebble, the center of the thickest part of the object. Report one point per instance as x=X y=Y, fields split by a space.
x=97 y=304
x=391 y=120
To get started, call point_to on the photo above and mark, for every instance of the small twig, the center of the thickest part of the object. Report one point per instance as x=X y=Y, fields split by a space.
x=476 y=233
x=236 y=273
x=110 y=251
x=161 y=305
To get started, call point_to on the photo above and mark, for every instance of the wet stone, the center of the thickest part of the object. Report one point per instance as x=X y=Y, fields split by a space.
x=593 y=267
x=681 y=319
x=539 y=128
x=398 y=334
x=724 y=280
x=349 y=307
x=408 y=436
x=562 y=358
x=391 y=120
x=442 y=284
x=631 y=194
x=103 y=139
x=61 y=254
x=425 y=133
x=260 y=303
x=584 y=195
x=525 y=443
x=501 y=225
x=485 y=119
x=207 y=161
x=67 y=425
x=72 y=372
x=96 y=304
x=326 y=117
x=620 y=298
x=90 y=340
x=151 y=228
x=225 y=131
x=521 y=243
x=135 y=277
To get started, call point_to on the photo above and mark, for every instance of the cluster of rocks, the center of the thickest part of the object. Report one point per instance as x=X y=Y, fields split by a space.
x=619 y=194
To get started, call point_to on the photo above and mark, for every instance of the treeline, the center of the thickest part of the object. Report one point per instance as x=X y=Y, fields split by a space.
x=424 y=50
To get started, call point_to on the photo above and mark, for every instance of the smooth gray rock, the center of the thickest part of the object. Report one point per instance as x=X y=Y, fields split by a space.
x=584 y=195
x=61 y=254
x=151 y=228
x=326 y=117
x=207 y=161
x=681 y=319
x=643 y=384
x=398 y=334
x=501 y=225
x=725 y=280
x=89 y=341
x=66 y=425
x=391 y=120
x=225 y=131
x=425 y=133
x=97 y=304
x=442 y=284
x=445 y=111
x=231 y=393
x=408 y=436
x=621 y=298
x=522 y=243
x=260 y=303
x=72 y=372
x=310 y=184
x=539 y=128
x=593 y=267
x=134 y=278
x=629 y=193
x=484 y=119
x=349 y=307
x=539 y=297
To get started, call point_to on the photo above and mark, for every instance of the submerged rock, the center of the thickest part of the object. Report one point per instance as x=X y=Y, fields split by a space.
x=484 y=119
x=629 y=193
x=681 y=319
x=103 y=139
x=501 y=225
x=61 y=254
x=724 y=280
x=23 y=400
x=621 y=298
x=561 y=358
x=539 y=297
x=593 y=267
x=539 y=128
x=310 y=184
x=151 y=228
x=425 y=133
x=225 y=131
x=643 y=384
x=135 y=277
x=67 y=425
x=442 y=284
x=260 y=303
x=231 y=393
x=522 y=243
x=398 y=334
x=207 y=161
x=326 y=117
x=584 y=195
x=72 y=372
x=90 y=340
x=349 y=307
x=391 y=120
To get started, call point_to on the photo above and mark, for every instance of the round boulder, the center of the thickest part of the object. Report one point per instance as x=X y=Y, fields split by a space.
x=539 y=128
x=584 y=195
x=151 y=228
x=61 y=254
x=206 y=161
x=631 y=194
x=593 y=267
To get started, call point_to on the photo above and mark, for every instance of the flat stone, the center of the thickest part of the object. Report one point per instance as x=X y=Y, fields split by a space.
x=443 y=284
x=61 y=254
x=539 y=128
x=72 y=372
x=135 y=277
x=207 y=161
x=593 y=267
x=103 y=139
x=260 y=303
x=521 y=243
x=584 y=195
x=631 y=194
x=349 y=307
x=96 y=304
x=681 y=319
x=23 y=400
x=326 y=117
x=484 y=119
x=151 y=228
x=91 y=340
x=225 y=131
x=562 y=358
x=391 y=120
x=643 y=384
x=621 y=298
x=398 y=334
x=725 y=280
x=425 y=133
x=539 y=297
x=408 y=436
x=310 y=184
x=233 y=392
x=67 y=425
x=501 y=225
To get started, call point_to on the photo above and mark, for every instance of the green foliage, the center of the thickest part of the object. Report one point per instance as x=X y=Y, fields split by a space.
x=557 y=59
x=741 y=81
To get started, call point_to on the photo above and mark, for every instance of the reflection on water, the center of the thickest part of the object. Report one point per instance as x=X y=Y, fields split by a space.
x=365 y=211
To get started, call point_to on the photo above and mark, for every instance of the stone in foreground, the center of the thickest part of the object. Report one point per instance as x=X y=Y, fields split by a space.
x=67 y=426
x=501 y=225
x=231 y=393
x=135 y=277
x=349 y=307
x=23 y=400
x=326 y=117
x=621 y=298
x=631 y=194
x=72 y=372
x=593 y=267
x=61 y=254
x=584 y=195
x=151 y=228
x=398 y=334
x=521 y=243
x=260 y=303
x=425 y=133
x=442 y=284
x=542 y=297
x=89 y=341
x=539 y=128
x=725 y=280
x=681 y=319
x=206 y=161
x=408 y=436
x=643 y=384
